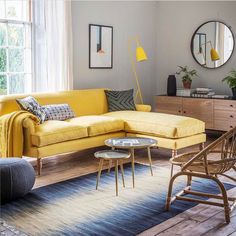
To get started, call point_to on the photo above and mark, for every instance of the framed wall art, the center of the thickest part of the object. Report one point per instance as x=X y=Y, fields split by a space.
x=100 y=46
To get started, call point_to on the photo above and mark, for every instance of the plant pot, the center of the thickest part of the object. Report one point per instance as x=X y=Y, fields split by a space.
x=234 y=93
x=187 y=84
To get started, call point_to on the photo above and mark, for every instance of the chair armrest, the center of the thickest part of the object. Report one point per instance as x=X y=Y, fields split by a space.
x=142 y=107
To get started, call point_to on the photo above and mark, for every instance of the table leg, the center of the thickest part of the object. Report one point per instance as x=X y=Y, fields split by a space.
x=110 y=163
x=122 y=172
x=132 y=156
x=109 y=167
x=99 y=172
x=116 y=170
x=150 y=159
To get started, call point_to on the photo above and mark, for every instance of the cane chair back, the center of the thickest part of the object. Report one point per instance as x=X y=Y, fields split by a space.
x=223 y=156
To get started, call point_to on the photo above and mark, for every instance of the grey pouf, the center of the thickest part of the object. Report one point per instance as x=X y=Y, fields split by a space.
x=17 y=178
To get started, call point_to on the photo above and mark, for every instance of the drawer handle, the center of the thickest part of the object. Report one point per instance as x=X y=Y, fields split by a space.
x=231 y=126
x=184 y=111
x=179 y=111
x=231 y=116
x=231 y=105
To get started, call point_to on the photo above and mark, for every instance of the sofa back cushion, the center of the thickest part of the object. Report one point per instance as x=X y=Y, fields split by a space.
x=82 y=102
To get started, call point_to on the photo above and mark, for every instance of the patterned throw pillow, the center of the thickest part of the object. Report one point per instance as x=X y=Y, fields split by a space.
x=58 y=112
x=120 y=100
x=31 y=105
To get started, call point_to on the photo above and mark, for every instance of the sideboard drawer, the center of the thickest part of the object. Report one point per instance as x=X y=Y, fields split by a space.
x=224 y=125
x=198 y=108
x=169 y=105
x=225 y=105
x=227 y=115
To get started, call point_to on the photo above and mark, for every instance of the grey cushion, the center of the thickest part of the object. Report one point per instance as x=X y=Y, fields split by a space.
x=31 y=105
x=58 y=112
x=120 y=100
x=17 y=178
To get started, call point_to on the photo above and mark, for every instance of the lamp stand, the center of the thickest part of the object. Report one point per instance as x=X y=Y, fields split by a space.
x=138 y=93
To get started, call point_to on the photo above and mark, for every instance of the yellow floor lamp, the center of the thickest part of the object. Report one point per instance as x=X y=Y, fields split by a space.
x=140 y=56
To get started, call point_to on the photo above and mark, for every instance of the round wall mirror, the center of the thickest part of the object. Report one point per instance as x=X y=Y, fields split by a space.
x=212 y=44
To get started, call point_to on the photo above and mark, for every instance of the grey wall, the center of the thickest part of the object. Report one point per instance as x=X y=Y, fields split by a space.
x=165 y=30
x=128 y=19
x=176 y=22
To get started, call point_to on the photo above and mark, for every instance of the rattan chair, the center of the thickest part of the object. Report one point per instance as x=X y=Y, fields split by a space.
x=216 y=159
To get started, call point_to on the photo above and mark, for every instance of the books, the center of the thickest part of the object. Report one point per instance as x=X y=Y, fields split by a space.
x=203 y=93
x=203 y=90
x=220 y=96
x=125 y=142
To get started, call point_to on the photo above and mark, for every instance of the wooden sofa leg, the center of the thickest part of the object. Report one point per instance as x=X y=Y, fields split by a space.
x=201 y=146
x=39 y=165
x=174 y=153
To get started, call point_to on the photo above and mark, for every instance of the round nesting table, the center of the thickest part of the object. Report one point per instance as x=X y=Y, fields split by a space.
x=112 y=155
x=132 y=143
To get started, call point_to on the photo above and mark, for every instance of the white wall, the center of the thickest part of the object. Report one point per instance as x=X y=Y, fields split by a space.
x=128 y=19
x=176 y=22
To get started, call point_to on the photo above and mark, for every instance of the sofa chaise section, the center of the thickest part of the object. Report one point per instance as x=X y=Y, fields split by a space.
x=171 y=131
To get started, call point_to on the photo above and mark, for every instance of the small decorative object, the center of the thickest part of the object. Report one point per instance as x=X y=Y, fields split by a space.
x=187 y=77
x=231 y=81
x=100 y=46
x=171 y=85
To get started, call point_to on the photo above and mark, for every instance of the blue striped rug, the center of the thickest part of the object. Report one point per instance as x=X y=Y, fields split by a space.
x=74 y=207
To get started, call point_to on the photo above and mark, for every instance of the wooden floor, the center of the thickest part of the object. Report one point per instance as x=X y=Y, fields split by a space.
x=199 y=220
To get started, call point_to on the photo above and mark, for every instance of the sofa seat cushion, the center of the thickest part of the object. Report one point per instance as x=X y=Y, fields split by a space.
x=98 y=125
x=54 y=131
x=159 y=124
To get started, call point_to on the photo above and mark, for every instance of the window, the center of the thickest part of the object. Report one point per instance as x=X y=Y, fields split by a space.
x=15 y=47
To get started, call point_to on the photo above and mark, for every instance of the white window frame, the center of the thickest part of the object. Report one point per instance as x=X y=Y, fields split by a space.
x=28 y=86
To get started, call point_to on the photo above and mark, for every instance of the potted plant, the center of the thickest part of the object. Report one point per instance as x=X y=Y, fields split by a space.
x=231 y=81
x=187 y=77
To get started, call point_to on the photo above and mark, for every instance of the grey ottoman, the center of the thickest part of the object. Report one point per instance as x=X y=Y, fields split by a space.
x=17 y=178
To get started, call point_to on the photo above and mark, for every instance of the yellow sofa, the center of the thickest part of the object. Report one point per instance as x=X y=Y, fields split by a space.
x=93 y=124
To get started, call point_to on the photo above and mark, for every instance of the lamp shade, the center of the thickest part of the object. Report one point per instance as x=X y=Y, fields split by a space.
x=140 y=54
x=214 y=55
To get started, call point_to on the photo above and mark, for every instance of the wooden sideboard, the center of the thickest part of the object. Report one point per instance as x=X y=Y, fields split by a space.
x=218 y=114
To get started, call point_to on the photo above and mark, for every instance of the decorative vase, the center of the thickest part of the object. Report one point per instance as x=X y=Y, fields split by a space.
x=234 y=93
x=187 y=84
x=171 y=85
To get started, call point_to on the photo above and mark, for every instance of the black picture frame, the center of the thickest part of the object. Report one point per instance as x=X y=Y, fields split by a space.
x=99 y=46
x=192 y=43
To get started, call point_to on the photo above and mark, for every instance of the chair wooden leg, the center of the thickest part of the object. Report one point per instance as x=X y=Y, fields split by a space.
x=174 y=154
x=99 y=172
x=172 y=170
x=225 y=199
x=122 y=172
x=189 y=181
x=150 y=159
x=39 y=166
x=168 y=198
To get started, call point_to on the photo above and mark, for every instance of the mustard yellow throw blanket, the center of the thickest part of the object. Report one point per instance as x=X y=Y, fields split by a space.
x=11 y=133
